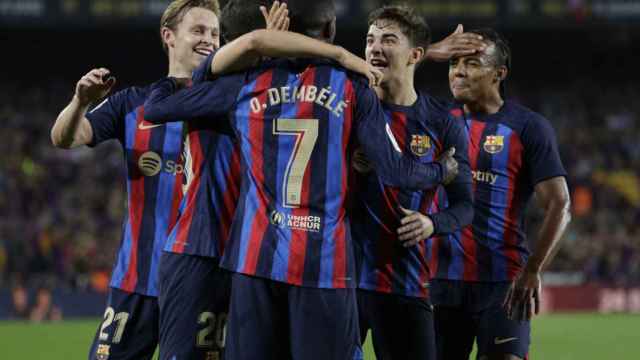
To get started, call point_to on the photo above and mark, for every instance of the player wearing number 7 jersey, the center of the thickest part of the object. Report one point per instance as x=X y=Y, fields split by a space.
x=290 y=246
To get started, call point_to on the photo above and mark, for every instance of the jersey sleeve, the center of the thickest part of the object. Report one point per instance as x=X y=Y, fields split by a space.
x=208 y=101
x=107 y=118
x=203 y=71
x=542 y=157
x=378 y=143
x=459 y=213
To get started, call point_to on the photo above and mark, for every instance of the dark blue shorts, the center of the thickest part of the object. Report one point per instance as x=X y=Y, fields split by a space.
x=401 y=326
x=274 y=320
x=194 y=303
x=129 y=329
x=468 y=311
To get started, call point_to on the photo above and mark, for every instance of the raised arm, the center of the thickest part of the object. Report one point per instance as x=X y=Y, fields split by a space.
x=245 y=51
x=71 y=128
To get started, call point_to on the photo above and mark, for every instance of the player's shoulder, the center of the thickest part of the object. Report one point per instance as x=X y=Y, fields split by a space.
x=434 y=105
x=527 y=120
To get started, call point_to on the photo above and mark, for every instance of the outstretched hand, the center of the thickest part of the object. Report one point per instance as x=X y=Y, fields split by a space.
x=277 y=18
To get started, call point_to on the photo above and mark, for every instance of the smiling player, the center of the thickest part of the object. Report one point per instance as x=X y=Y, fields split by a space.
x=487 y=282
x=189 y=32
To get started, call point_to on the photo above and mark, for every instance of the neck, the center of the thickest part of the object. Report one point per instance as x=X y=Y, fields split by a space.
x=398 y=91
x=490 y=104
x=177 y=70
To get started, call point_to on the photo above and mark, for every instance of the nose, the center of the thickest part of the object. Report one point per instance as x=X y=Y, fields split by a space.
x=459 y=70
x=374 y=48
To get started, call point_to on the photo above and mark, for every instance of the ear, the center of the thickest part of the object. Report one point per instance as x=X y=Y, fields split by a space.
x=168 y=37
x=417 y=54
x=501 y=73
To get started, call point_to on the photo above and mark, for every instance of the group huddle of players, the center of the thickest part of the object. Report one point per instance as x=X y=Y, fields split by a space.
x=286 y=197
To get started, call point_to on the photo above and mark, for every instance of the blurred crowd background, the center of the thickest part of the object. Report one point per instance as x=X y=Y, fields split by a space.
x=61 y=211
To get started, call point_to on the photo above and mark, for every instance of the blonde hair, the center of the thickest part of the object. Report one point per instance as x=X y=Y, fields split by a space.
x=175 y=11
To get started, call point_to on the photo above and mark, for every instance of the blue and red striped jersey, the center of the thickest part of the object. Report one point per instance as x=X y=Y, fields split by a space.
x=211 y=189
x=509 y=153
x=152 y=158
x=423 y=130
x=295 y=121
x=211 y=186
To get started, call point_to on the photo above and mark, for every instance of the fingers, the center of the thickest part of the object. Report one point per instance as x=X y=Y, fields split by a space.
x=287 y=21
x=405 y=211
x=277 y=18
x=281 y=16
x=407 y=230
x=110 y=82
x=377 y=76
x=265 y=15
x=451 y=151
x=459 y=29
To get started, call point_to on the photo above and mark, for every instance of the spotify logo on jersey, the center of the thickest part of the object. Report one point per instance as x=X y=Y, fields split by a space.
x=150 y=163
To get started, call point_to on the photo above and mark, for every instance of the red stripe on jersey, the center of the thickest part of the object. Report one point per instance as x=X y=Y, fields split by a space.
x=513 y=209
x=435 y=241
x=256 y=137
x=136 y=202
x=399 y=128
x=197 y=158
x=456 y=112
x=386 y=243
x=386 y=249
x=299 y=238
x=230 y=198
x=470 y=271
x=340 y=235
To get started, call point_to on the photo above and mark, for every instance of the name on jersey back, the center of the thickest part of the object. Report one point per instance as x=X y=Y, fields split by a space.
x=324 y=97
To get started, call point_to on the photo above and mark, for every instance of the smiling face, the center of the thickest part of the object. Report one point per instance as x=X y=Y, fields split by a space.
x=193 y=38
x=390 y=50
x=475 y=77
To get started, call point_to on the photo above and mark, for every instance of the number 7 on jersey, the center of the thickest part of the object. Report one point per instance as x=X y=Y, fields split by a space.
x=306 y=133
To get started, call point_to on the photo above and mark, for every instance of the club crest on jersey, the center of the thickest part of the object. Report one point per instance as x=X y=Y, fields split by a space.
x=493 y=144
x=102 y=353
x=420 y=144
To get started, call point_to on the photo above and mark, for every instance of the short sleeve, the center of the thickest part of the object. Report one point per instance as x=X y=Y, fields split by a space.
x=541 y=150
x=107 y=118
x=454 y=136
x=203 y=71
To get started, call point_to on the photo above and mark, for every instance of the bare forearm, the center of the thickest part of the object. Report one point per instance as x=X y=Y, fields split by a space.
x=557 y=217
x=69 y=130
x=246 y=50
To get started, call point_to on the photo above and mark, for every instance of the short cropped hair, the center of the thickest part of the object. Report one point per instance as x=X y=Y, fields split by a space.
x=175 y=11
x=412 y=25
x=502 y=55
x=308 y=17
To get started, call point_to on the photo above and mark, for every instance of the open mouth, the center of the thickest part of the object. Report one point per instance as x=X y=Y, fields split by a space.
x=203 y=51
x=379 y=64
